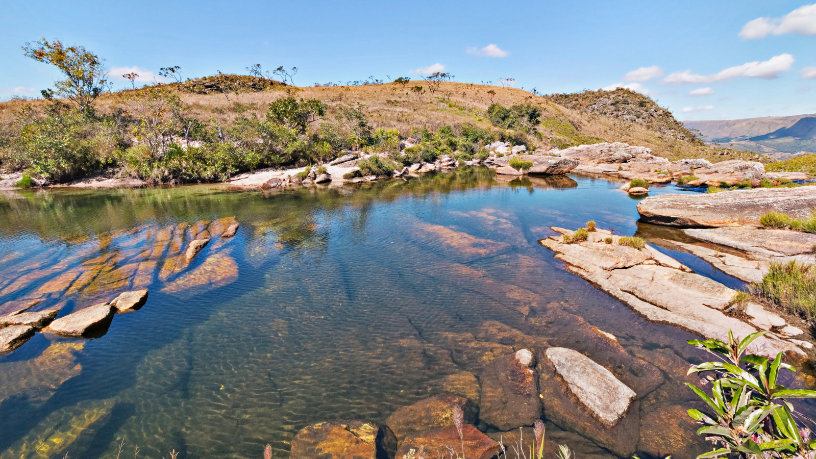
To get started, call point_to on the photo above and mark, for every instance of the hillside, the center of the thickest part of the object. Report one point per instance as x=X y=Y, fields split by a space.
x=779 y=136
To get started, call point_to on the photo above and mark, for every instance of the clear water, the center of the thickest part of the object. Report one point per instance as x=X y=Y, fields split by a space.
x=347 y=304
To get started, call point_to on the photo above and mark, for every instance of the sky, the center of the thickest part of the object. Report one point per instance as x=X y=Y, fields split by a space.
x=702 y=60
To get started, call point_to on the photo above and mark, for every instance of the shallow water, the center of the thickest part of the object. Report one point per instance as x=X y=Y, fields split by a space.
x=332 y=304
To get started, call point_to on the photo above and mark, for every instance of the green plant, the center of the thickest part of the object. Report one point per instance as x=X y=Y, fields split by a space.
x=25 y=182
x=639 y=183
x=743 y=184
x=579 y=235
x=805 y=225
x=304 y=173
x=791 y=286
x=590 y=226
x=376 y=165
x=520 y=164
x=321 y=170
x=714 y=189
x=683 y=179
x=609 y=240
x=748 y=414
x=634 y=242
x=739 y=302
x=351 y=175
x=774 y=220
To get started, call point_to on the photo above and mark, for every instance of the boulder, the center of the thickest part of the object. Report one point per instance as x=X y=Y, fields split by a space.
x=34 y=319
x=608 y=153
x=638 y=190
x=195 y=246
x=552 y=166
x=759 y=243
x=130 y=301
x=323 y=178
x=344 y=440
x=91 y=321
x=415 y=167
x=464 y=384
x=737 y=208
x=274 y=182
x=431 y=413
x=670 y=431
x=436 y=443
x=507 y=170
x=509 y=396
x=580 y=395
x=343 y=159
x=14 y=336
x=231 y=230
x=427 y=167
x=518 y=149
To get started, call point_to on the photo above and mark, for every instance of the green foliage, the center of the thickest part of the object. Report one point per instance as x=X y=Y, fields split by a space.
x=609 y=240
x=25 y=182
x=304 y=173
x=805 y=163
x=523 y=117
x=791 y=286
x=520 y=164
x=295 y=115
x=634 y=242
x=775 y=220
x=385 y=141
x=639 y=183
x=590 y=225
x=321 y=170
x=351 y=175
x=748 y=413
x=355 y=120
x=566 y=134
x=743 y=184
x=714 y=189
x=579 y=235
x=683 y=179
x=376 y=165
x=739 y=302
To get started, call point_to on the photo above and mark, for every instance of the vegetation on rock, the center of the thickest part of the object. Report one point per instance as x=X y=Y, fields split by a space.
x=639 y=183
x=632 y=241
x=805 y=163
x=790 y=285
x=520 y=164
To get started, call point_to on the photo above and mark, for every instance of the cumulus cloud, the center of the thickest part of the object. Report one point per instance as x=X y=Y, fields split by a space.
x=767 y=70
x=637 y=87
x=430 y=69
x=145 y=76
x=701 y=108
x=488 y=51
x=701 y=92
x=801 y=21
x=644 y=74
x=808 y=73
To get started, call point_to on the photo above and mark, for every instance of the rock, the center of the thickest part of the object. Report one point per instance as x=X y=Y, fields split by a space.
x=638 y=190
x=344 y=440
x=552 y=166
x=507 y=170
x=34 y=319
x=746 y=169
x=415 y=167
x=130 y=301
x=763 y=319
x=14 y=336
x=90 y=321
x=463 y=384
x=497 y=144
x=625 y=187
x=737 y=208
x=695 y=163
x=607 y=153
x=435 y=443
x=670 y=431
x=518 y=149
x=274 y=182
x=195 y=246
x=323 y=178
x=790 y=330
x=580 y=395
x=760 y=244
x=343 y=159
x=427 y=167
x=431 y=413
x=510 y=392
x=231 y=230
x=741 y=268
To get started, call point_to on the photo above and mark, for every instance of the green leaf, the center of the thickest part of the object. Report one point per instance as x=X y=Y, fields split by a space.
x=776 y=444
x=706 y=399
x=715 y=453
x=748 y=340
x=755 y=360
x=698 y=415
x=795 y=393
x=785 y=424
x=750 y=447
x=716 y=430
x=756 y=418
x=774 y=371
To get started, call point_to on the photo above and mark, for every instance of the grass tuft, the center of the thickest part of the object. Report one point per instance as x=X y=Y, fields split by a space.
x=520 y=164
x=774 y=220
x=790 y=285
x=634 y=242
x=639 y=183
x=25 y=182
x=714 y=189
x=580 y=235
x=683 y=179
x=591 y=226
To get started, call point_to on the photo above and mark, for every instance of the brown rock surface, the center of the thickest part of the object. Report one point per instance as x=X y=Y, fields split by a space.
x=90 y=321
x=14 y=336
x=37 y=319
x=431 y=413
x=637 y=190
x=665 y=432
x=435 y=443
x=195 y=246
x=216 y=271
x=509 y=396
x=759 y=243
x=463 y=384
x=230 y=232
x=736 y=208
x=344 y=440
x=130 y=301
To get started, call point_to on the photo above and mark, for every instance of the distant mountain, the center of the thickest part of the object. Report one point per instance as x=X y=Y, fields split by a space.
x=779 y=136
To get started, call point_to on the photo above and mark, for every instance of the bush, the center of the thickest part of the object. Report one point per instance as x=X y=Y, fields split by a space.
x=590 y=226
x=304 y=173
x=743 y=184
x=520 y=164
x=791 y=286
x=609 y=240
x=376 y=165
x=639 y=183
x=25 y=182
x=352 y=175
x=805 y=225
x=321 y=170
x=580 y=235
x=634 y=242
x=738 y=303
x=683 y=179
x=775 y=220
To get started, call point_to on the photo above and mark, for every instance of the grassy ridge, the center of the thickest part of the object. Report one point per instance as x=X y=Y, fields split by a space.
x=806 y=164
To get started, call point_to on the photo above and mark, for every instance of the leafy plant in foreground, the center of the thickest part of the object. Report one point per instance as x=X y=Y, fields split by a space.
x=748 y=411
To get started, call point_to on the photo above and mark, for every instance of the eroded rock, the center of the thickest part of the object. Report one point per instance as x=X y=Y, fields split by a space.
x=431 y=413
x=509 y=396
x=130 y=301
x=37 y=319
x=14 y=336
x=436 y=443
x=231 y=230
x=344 y=440
x=90 y=321
x=195 y=246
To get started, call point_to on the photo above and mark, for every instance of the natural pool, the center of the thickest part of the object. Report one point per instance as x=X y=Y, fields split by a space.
x=341 y=303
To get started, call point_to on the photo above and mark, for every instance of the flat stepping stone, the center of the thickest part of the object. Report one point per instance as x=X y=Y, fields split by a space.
x=92 y=321
x=195 y=247
x=130 y=301
x=13 y=337
x=34 y=319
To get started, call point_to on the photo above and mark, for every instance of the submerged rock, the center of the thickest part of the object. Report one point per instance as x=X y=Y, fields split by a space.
x=509 y=396
x=90 y=321
x=344 y=440
x=195 y=246
x=431 y=413
x=464 y=384
x=37 y=319
x=580 y=395
x=14 y=336
x=436 y=443
x=231 y=230
x=130 y=301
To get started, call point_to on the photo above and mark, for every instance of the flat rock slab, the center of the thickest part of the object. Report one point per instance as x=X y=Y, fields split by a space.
x=736 y=208
x=580 y=395
x=91 y=321
x=436 y=443
x=14 y=336
x=431 y=413
x=760 y=243
x=543 y=165
x=738 y=267
x=230 y=232
x=34 y=319
x=195 y=246
x=130 y=301
x=344 y=440
x=510 y=392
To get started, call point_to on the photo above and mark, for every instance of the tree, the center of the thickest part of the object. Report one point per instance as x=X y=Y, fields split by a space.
x=155 y=109
x=295 y=115
x=255 y=70
x=132 y=78
x=435 y=80
x=402 y=81
x=173 y=73
x=84 y=73
x=354 y=118
x=286 y=74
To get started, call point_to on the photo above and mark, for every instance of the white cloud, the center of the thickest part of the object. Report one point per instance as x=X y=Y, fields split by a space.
x=687 y=109
x=488 y=51
x=145 y=76
x=644 y=74
x=801 y=21
x=701 y=92
x=808 y=73
x=637 y=87
x=701 y=108
x=430 y=69
x=17 y=90
x=767 y=70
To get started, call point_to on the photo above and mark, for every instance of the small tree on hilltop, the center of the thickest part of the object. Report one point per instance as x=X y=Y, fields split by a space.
x=172 y=73
x=435 y=80
x=286 y=74
x=84 y=73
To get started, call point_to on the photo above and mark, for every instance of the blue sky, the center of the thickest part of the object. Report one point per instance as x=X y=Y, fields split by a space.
x=743 y=58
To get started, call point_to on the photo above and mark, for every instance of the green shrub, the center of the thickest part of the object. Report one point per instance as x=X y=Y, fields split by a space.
x=791 y=286
x=520 y=164
x=304 y=173
x=376 y=165
x=738 y=303
x=25 y=182
x=683 y=179
x=804 y=163
x=743 y=184
x=609 y=240
x=321 y=170
x=775 y=220
x=352 y=175
x=805 y=225
x=714 y=189
x=580 y=235
x=634 y=242
x=639 y=183
x=590 y=226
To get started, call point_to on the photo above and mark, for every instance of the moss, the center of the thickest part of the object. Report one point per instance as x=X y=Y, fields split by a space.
x=714 y=189
x=25 y=182
x=352 y=175
x=639 y=183
x=634 y=242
